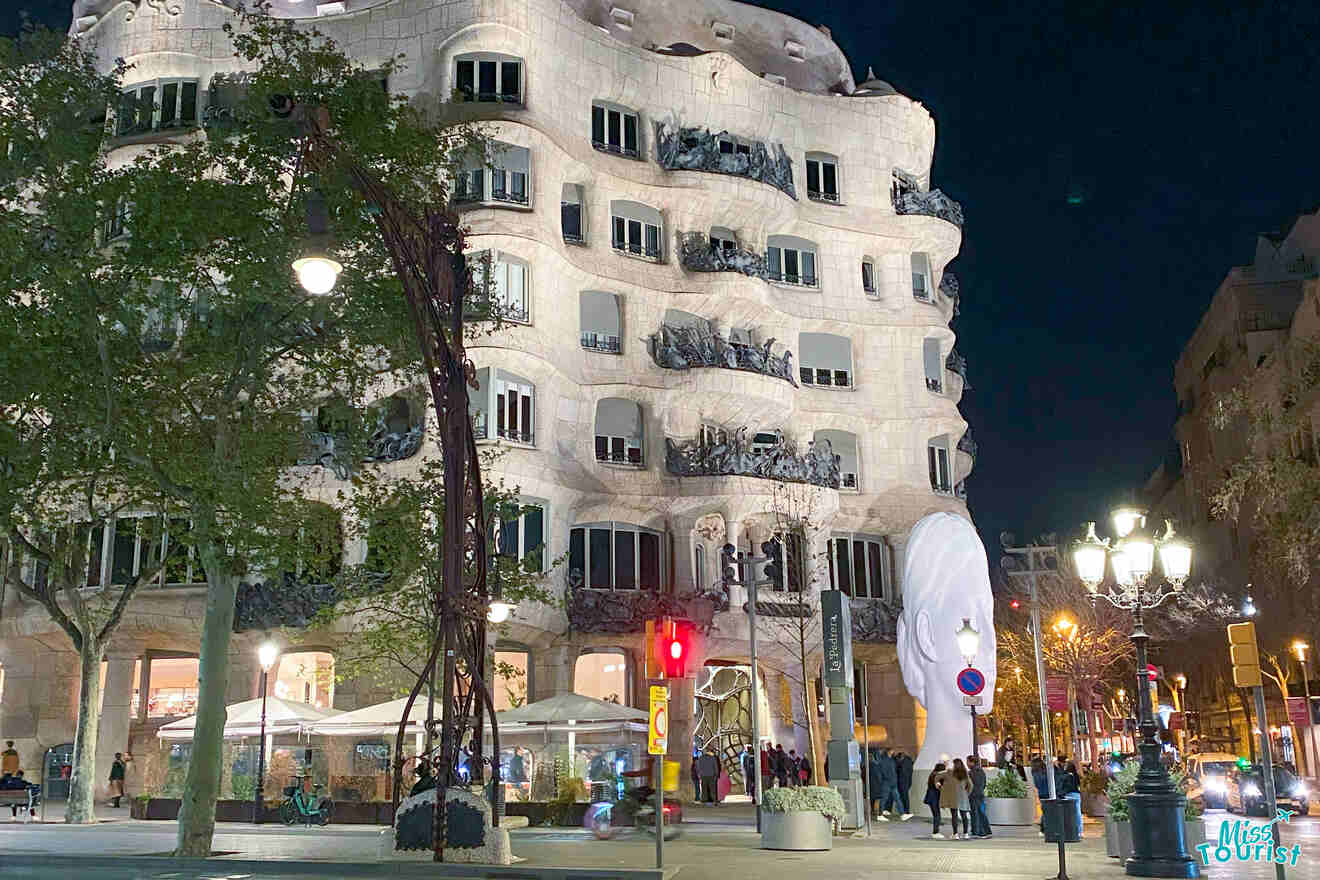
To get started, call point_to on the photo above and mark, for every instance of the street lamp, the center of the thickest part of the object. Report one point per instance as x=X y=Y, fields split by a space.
x=498 y=610
x=317 y=272
x=1300 y=648
x=267 y=654
x=1248 y=606
x=1159 y=848
x=969 y=640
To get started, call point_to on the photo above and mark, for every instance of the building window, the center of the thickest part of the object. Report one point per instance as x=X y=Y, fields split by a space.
x=636 y=229
x=501 y=287
x=732 y=146
x=937 y=457
x=161 y=103
x=504 y=176
x=699 y=567
x=822 y=177
x=600 y=320
x=712 y=436
x=615 y=129
x=570 y=214
x=172 y=684
x=921 y=286
x=616 y=556
x=723 y=240
x=868 y=275
x=825 y=360
x=619 y=432
x=121 y=551
x=843 y=446
x=602 y=676
x=764 y=441
x=488 y=77
x=861 y=566
x=794 y=556
x=504 y=404
x=791 y=260
x=305 y=677
x=934 y=365
x=116 y=221
x=522 y=538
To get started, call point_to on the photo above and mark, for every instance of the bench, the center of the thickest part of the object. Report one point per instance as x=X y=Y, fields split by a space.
x=25 y=799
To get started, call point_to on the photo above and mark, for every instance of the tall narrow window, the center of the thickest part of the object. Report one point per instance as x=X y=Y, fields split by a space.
x=921 y=286
x=791 y=260
x=868 y=275
x=488 y=77
x=934 y=366
x=937 y=455
x=570 y=213
x=822 y=177
x=523 y=537
x=615 y=129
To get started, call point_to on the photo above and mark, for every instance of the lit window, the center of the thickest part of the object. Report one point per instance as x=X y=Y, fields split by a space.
x=305 y=677
x=616 y=556
x=172 y=685
x=487 y=77
x=615 y=130
x=822 y=177
x=511 y=671
x=602 y=676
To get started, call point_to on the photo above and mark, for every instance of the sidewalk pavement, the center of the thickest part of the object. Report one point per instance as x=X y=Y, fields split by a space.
x=717 y=844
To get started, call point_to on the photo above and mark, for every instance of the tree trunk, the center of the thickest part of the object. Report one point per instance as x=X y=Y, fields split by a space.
x=197 y=811
x=81 y=809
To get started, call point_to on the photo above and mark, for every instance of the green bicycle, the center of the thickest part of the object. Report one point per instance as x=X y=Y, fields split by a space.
x=315 y=807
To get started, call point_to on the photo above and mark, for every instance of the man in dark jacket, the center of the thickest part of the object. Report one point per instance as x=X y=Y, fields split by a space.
x=903 y=770
x=793 y=766
x=748 y=759
x=980 y=821
x=884 y=793
x=804 y=769
x=708 y=768
x=779 y=765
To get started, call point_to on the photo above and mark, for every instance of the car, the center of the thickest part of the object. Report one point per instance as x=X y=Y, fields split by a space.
x=1246 y=794
x=1209 y=771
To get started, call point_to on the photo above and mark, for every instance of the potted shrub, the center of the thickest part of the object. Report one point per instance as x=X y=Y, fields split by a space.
x=1095 y=799
x=1008 y=801
x=1118 y=822
x=799 y=818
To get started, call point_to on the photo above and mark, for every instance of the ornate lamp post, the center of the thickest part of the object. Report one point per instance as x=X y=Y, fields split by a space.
x=1300 y=648
x=1158 y=845
x=267 y=654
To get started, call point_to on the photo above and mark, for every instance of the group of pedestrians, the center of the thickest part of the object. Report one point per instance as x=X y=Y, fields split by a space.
x=1067 y=784
x=889 y=776
x=961 y=790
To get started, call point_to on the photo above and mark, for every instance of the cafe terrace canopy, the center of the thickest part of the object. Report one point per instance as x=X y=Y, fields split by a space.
x=564 y=711
x=381 y=719
x=244 y=719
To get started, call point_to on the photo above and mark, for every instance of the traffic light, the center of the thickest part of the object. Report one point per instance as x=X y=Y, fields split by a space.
x=669 y=644
x=729 y=564
x=1242 y=651
x=773 y=550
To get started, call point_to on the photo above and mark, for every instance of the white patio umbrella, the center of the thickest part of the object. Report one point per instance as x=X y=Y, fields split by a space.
x=379 y=720
x=244 y=719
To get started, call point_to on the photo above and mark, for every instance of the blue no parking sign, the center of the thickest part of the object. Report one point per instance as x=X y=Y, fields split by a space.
x=971 y=681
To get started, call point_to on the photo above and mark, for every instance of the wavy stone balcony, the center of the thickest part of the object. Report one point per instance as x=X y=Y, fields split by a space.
x=734 y=456
x=967 y=444
x=697 y=149
x=332 y=451
x=697 y=254
x=682 y=348
x=874 y=620
x=956 y=363
x=907 y=197
x=950 y=287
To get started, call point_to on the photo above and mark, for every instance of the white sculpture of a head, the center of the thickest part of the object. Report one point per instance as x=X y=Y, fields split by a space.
x=945 y=579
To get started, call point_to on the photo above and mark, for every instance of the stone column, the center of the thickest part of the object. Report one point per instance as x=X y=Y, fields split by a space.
x=899 y=545
x=116 y=715
x=685 y=541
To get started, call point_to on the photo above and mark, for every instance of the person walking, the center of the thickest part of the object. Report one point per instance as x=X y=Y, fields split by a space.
x=779 y=765
x=708 y=768
x=903 y=772
x=955 y=793
x=748 y=759
x=794 y=767
x=980 y=821
x=117 y=768
x=873 y=781
x=884 y=793
x=932 y=799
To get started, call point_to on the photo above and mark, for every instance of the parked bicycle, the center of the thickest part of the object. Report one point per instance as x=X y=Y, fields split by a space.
x=314 y=807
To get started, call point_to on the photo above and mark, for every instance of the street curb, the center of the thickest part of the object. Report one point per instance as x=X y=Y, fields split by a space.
x=359 y=869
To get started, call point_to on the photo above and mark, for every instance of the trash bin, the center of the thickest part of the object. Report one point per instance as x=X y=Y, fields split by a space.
x=1056 y=813
x=671 y=774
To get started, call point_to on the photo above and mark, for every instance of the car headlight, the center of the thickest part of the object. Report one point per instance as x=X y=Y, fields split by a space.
x=1300 y=790
x=1215 y=785
x=1251 y=789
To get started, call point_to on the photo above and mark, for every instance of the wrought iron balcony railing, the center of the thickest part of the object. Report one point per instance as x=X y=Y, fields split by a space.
x=698 y=149
x=604 y=342
x=682 y=348
x=815 y=196
x=907 y=198
x=635 y=248
x=735 y=456
x=792 y=278
x=616 y=149
x=697 y=254
x=934 y=385
x=967 y=444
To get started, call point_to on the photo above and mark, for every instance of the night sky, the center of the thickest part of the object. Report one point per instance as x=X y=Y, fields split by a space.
x=1113 y=160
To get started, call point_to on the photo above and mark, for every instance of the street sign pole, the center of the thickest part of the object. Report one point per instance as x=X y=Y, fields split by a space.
x=657 y=745
x=1267 y=772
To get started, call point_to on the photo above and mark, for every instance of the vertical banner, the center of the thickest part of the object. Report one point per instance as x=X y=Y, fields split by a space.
x=836 y=633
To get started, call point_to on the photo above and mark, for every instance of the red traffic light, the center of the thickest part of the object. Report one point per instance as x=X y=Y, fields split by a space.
x=676 y=650
x=673 y=639
x=1014 y=604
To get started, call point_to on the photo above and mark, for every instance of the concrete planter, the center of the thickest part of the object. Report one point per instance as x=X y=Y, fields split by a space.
x=807 y=831
x=1010 y=811
x=1095 y=805
x=1118 y=839
x=1193 y=833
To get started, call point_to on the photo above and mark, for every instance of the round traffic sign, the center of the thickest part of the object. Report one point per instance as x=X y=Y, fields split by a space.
x=1151 y=672
x=971 y=681
x=661 y=722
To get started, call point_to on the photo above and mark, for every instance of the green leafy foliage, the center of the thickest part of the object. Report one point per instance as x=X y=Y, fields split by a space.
x=804 y=799
x=1124 y=782
x=1006 y=784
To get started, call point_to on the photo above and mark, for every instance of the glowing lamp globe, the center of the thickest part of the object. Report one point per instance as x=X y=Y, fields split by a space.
x=1176 y=560
x=317 y=273
x=969 y=640
x=1140 y=550
x=499 y=611
x=1089 y=558
x=1122 y=568
x=1126 y=519
x=267 y=654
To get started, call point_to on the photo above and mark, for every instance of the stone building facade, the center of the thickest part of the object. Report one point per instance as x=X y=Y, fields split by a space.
x=725 y=269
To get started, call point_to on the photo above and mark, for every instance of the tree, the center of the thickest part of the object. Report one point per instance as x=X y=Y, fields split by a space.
x=208 y=351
